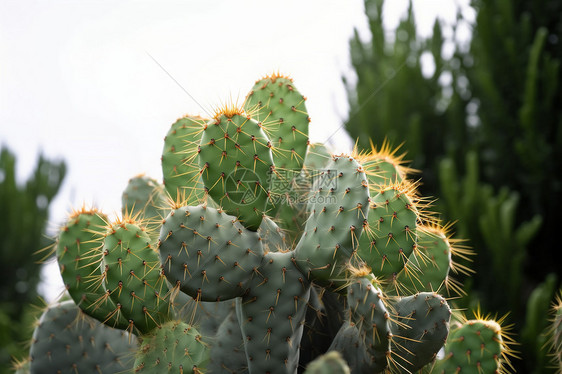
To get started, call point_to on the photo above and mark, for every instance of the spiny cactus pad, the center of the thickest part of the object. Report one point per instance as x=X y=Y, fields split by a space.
x=419 y=330
x=236 y=161
x=179 y=160
x=338 y=206
x=68 y=341
x=474 y=347
x=174 y=347
x=227 y=348
x=134 y=278
x=145 y=199
x=349 y=343
x=369 y=314
x=390 y=235
x=208 y=253
x=79 y=254
x=275 y=102
x=272 y=315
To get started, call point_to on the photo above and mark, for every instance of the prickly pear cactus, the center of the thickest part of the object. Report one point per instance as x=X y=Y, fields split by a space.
x=68 y=341
x=180 y=167
x=214 y=270
x=133 y=277
x=236 y=160
x=391 y=235
x=369 y=315
x=419 y=328
x=173 y=347
x=475 y=346
x=79 y=255
x=144 y=199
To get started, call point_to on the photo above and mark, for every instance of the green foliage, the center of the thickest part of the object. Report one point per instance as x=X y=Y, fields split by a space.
x=535 y=333
x=25 y=213
x=393 y=100
x=489 y=219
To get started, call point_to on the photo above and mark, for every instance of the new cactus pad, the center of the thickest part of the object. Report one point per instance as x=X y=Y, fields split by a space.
x=329 y=363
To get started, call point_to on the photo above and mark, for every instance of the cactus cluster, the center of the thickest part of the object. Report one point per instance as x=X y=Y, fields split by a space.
x=264 y=253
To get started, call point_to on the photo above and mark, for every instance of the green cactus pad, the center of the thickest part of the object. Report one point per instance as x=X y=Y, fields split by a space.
x=179 y=160
x=134 y=277
x=338 y=206
x=236 y=161
x=68 y=341
x=79 y=254
x=329 y=363
x=144 y=198
x=317 y=158
x=208 y=253
x=280 y=108
x=473 y=347
x=275 y=102
x=272 y=315
x=227 y=349
x=272 y=237
x=349 y=343
x=389 y=238
x=428 y=267
x=369 y=314
x=174 y=347
x=419 y=330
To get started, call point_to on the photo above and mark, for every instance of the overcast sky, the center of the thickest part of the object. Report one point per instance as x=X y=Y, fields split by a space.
x=99 y=83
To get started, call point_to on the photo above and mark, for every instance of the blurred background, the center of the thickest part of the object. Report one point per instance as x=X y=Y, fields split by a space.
x=470 y=90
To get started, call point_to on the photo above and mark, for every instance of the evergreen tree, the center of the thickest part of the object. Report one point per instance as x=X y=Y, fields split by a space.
x=25 y=212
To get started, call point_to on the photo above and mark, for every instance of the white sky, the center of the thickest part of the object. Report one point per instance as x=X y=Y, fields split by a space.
x=77 y=80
